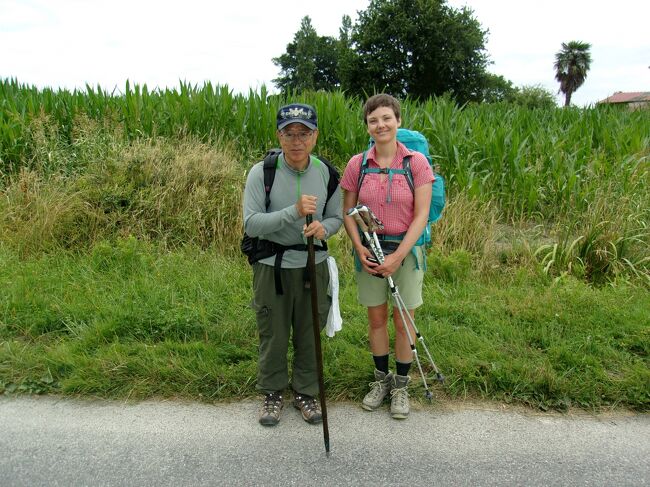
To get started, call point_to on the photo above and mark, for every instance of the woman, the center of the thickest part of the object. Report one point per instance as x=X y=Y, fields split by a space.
x=404 y=216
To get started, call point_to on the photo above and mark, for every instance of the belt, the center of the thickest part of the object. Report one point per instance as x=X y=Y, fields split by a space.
x=390 y=238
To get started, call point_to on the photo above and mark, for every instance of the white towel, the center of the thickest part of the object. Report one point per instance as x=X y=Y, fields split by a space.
x=334 y=320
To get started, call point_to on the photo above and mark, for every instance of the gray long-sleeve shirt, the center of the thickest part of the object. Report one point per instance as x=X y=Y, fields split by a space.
x=282 y=223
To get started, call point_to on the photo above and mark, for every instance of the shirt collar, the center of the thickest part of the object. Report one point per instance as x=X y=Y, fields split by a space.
x=402 y=151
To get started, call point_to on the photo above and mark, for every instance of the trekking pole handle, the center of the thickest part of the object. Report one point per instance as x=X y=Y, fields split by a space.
x=364 y=213
x=371 y=220
x=357 y=218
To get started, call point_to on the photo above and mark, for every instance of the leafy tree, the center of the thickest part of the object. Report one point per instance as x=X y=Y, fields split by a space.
x=572 y=63
x=347 y=57
x=420 y=48
x=496 y=88
x=533 y=96
x=310 y=62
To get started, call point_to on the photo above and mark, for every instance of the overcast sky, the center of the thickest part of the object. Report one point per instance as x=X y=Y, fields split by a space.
x=68 y=43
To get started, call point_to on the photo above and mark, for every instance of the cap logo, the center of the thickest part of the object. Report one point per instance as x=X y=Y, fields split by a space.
x=296 y=112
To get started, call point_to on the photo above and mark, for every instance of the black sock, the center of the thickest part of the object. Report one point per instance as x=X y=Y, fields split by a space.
x=402 y=368
x=381 y=363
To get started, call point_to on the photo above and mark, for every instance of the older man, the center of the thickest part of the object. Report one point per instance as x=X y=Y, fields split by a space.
x=281 y=292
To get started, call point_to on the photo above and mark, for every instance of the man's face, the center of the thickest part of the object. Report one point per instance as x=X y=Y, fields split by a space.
x=297 y=141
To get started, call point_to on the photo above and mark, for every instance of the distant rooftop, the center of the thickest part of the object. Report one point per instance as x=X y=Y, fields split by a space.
x=629 y=97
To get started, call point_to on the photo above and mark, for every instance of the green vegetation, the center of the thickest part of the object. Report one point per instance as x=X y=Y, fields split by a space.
x=535 y=96
x=126 y=320
x=120 y=220
x=549 y=162
x=433 y=50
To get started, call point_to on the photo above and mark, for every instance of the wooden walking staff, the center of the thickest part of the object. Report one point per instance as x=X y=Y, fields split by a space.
x=311 y=268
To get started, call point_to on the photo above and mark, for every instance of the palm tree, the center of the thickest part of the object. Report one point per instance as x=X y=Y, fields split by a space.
x=571 y=66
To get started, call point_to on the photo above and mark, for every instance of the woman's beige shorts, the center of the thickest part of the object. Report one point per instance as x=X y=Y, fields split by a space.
x=373 y=291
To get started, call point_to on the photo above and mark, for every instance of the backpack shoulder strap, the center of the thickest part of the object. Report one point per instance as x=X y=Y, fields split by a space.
x=408 y=174
x=363 y=169
x=270 y=164
x=406 y=171
x=333 y=182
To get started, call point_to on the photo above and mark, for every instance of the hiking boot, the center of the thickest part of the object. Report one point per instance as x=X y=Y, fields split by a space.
x=309 y=408
x=399 y=397
x=271 y=409
x=378 y=390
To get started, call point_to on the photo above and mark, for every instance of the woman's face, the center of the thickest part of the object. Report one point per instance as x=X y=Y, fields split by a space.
x=382 y=125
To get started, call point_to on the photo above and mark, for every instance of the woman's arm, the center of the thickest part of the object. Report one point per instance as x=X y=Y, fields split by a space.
x=350 y=201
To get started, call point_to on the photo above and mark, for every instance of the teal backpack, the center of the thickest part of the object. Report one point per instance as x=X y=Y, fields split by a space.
x=415 y=141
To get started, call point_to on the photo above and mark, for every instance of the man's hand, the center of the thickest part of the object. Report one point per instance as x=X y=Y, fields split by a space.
x=315 y=229
x=306 y=205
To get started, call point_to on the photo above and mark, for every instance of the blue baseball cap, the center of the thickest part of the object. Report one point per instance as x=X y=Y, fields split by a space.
x=297 y=113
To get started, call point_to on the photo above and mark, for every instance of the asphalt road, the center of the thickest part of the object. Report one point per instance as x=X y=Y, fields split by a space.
x=52 y=441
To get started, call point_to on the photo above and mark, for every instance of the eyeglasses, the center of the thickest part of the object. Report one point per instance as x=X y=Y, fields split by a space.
x=301 y=136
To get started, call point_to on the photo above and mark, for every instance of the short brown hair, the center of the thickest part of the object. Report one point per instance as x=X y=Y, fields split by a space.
x=381 y=100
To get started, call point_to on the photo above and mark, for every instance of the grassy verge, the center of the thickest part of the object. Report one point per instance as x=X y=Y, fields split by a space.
x=120 y=274
x=127 y=320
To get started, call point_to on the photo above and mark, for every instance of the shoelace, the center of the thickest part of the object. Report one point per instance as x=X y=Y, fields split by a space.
x=308 y=404
x=402 y=395
x=272 y=403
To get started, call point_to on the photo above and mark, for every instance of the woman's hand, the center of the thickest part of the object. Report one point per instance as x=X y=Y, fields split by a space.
x=364 y=256
x=391 y=263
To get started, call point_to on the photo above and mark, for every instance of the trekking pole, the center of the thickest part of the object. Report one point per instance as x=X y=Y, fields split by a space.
x=311 y=267
x=362 y=215
x=366 y=214
x=376 y=249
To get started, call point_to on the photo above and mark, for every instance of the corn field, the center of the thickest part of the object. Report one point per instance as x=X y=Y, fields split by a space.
x=586 y=171
x=529 y=161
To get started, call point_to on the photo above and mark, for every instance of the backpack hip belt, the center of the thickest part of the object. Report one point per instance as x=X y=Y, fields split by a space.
x=266 y=248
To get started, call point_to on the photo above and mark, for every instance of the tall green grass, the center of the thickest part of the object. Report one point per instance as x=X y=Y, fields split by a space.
x=531 y=162
x=173 y=192
x=90 y=179
x=127 y=320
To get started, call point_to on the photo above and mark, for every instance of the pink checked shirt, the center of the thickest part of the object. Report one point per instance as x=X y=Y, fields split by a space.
x=395 y=208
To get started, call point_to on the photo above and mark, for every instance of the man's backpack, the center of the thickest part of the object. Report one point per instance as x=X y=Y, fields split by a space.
x=256 y=249
x=415 y=141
